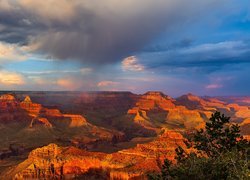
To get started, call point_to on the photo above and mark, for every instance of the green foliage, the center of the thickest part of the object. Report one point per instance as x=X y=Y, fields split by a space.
x=221 y=153
x=219 y=137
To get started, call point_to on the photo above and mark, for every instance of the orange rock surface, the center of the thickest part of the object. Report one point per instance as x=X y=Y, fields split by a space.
x=76 y=120
x=190 y=118
x=195 y=102
x=178 y=114
x=8 y=103
x=152 y=100
x=43 y=121
x=52 y=112
x=30 y=107
x=57 y=162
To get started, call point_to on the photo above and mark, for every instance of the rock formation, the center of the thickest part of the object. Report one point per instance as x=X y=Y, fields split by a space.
x=154 y=103
x=189 y=118
x=56 y=162
x=76 y=120
x=34 y=125
x=152 y=100
x=37 y=120
x=193 y=102
x=8 y=103
x=30 y=107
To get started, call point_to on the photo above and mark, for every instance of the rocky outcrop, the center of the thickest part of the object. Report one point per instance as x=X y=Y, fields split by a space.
x=8 y=103
x=141 y=116
x=245 y=122
x=76 y=120
x=7 y=98
x=30 y=107
x=57 y=162
x=245 y=128
x=152 y=100
x=152 y=104
x=43 y=121
x=193 y=102
x=189 y=118
x=243 y=112
x=34 y=125
x=52 y=112
x=10 y=111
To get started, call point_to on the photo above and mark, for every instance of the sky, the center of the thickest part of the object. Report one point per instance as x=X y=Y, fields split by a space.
x=173 y=46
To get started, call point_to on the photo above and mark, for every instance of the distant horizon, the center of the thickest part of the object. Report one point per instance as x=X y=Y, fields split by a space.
x=68 y=91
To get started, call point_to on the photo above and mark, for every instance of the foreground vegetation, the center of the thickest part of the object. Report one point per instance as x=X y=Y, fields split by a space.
x=219 y=152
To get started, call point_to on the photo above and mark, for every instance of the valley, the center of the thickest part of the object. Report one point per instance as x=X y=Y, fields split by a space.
x=111 y=135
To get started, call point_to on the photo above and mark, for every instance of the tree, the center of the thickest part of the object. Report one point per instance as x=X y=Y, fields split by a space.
x=221 y=153
x=218 y=137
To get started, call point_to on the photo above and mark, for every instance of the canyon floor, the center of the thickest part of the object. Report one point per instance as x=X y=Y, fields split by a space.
x=101 y=135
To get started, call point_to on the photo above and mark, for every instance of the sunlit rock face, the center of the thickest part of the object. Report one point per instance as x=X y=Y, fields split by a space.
x=154 y=110
x=152 y=100
x=151 y=104
x=245 y=128
x=149 y=112
x=76 y=120
x=43 y=121
x=30 y=107
x=10 y=110
x=52 y=112
x=193 y=102
x=8 y=102
x=34 y=125
x=189 y=118
x=243 y=112
x=7 y=98
x=57 y=162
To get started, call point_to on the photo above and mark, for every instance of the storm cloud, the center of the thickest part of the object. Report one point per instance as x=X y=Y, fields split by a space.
x=92 y=31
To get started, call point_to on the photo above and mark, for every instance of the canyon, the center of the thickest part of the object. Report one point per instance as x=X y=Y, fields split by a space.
x=101 y=135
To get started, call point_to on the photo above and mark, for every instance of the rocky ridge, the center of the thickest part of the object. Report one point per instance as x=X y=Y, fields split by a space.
x=57 y=162
x=186 y=112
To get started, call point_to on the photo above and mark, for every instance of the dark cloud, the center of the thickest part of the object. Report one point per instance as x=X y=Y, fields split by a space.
x=94 y=31
x=184 y=43
x=207 y=57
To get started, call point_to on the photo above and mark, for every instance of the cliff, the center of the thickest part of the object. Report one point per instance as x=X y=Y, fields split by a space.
x=30 y=107
x=193 y=102
x=154 y=110
x=8 y=103
x=67 y=162
x=34 y=125
x=76 y=120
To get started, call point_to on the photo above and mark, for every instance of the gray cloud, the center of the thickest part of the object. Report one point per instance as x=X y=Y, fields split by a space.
x=92 y=31
x=208 y=57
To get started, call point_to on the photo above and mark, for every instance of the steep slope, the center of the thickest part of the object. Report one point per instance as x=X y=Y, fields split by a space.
x=31 y=125
x=154 y=110
x=56 y=162
x=194 y=102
